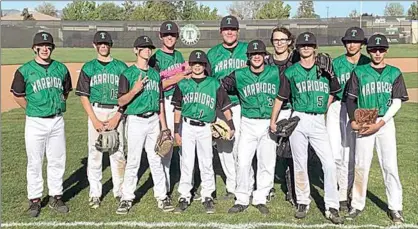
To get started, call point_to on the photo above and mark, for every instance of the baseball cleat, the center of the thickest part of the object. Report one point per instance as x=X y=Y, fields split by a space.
x=58 y=205
x=209 y=205
x=197 y=196
x=165 y=205
x=353 y=213
x=34 y=208
x=229 y=196
x=181 y=206
x=333 y=215
x=396 y=217
x=344 y=206
x=271 y=195
x=301 y=211
x=237 y=208
x=94 y=202
x=124 y=207
x=263 y=209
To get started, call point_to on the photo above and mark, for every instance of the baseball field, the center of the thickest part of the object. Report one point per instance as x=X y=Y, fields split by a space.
x=145 y=213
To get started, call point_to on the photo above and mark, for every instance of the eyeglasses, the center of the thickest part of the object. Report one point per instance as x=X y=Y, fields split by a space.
x=281 y=41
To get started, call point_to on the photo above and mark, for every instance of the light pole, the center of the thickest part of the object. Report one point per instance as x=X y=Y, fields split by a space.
x=361 y=11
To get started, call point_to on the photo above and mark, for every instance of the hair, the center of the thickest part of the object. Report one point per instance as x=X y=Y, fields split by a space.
x=285 y=31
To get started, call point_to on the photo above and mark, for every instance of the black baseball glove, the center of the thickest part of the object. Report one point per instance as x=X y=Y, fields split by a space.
x=324 y=65
x=285 y=127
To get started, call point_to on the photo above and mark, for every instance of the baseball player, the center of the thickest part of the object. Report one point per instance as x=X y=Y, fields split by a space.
x=97 y=86
x=310 y=94
x=342 y=137
x=376 y=85
x=224 y=58
x=41 y=87
x=195 y=101
x=256 y=87
x=140 y=92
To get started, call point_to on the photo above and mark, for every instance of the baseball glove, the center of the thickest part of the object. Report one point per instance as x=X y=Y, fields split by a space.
x=220 y=130
x=324 y=63
x=285 y=127
x=167 y=74
x=108 y=141
x=365 y=116
x=164 y=144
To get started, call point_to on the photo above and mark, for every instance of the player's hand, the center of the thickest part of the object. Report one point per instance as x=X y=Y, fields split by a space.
x=355 y=126
x=178 y=139
x=98 y=125
x=232 y=134
x=139 y=85
x=113 y=122
x=273 y=128
x=369 y=129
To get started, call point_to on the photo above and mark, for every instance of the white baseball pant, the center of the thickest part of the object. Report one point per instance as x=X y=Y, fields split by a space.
x=311 y=129
x=342 y=140
x=255 y=136
x=169 y=114
x=385 y=142
x=196 y=139
x=143 y=133
x=117 y=159
x=45 y=136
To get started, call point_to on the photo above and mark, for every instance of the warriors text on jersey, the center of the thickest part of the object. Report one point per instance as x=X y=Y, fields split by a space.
x=100 y=81
x=256 y=91
x=149 y=99
x=309 y=94
x=223 y=61
x=43 y=86
x=198 y=98
x=375 y=88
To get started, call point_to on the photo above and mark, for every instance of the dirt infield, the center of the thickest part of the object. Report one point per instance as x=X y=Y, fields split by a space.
x=7 y=71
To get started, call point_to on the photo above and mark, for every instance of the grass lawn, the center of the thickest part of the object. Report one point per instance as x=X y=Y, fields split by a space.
x=411 y=80
x=80 y=55
x=14 y=202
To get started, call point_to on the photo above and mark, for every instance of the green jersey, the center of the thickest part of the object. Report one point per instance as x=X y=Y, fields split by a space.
x=198 y=98
x=43 y=86
x=309 y=94
x=343 y=68
x=100 y=81
x=149 y=99
x=375 y=88
x=165 y=62
x=255 y=91
x=224 y=61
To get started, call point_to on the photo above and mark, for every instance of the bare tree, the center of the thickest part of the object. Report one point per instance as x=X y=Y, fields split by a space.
x=47 y=8
x=245 y=9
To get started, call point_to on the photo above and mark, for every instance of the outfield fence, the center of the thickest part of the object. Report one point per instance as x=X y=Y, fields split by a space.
x=201 y=34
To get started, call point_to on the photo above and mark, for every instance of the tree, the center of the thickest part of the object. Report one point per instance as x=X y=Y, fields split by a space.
x=394 y=9
x=205 y=13
x=354 y=14
x=155 y=11
x=80 y=10
x=245 y=9
x=109 y=11
x=306 y=10
x=274 y=9
x=413 y=11
x=47 y=8
x=26 y=15
x=190 y=10
x=128 y=9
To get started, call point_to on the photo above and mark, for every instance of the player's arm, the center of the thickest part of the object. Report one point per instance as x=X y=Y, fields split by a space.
x=67 y=85
x=223 y=103
x=19 y=89
x=163 y=120
x=229 y=83
x=283 y=95
x=352 y=88
x=334 y=86
x=176 y=101
x=124 y=94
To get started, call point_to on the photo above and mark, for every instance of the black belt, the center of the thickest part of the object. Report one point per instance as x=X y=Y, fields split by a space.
x=194 y=123
x=311 y=113
x=146 y=115
x=106 y=106
x=52 y=116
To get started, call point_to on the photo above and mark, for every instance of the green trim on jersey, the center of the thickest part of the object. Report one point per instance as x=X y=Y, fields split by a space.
x=309 y=94
x=375 y=90
x=104 y=80
x=199 y=99
x=257 y=93
x=343 y=68
x=44 y=88
x=223 y=62
x=168 y=62
x=148 y=100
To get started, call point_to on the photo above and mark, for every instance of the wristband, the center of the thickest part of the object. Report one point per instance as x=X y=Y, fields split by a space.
x=176 y=128
x=230 y=124
x=121 y=110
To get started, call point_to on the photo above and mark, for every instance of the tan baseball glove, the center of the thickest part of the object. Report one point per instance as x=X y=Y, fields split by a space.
x=365 y=116
x=108 y=141
x=220 y=130
x=164 y=144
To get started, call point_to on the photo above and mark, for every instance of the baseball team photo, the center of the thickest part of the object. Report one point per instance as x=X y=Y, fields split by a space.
x=209 y=114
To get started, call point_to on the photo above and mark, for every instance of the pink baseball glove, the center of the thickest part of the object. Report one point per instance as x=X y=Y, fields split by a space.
x=167 y=74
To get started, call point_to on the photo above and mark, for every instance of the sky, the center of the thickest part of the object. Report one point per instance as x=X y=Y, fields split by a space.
x=335 y=8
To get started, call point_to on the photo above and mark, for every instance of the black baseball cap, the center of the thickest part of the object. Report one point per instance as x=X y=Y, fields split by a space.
x=256 y=46
x=378 y=41
x=144 y=42
x=229 y=22
x=43 y=38
x=102 y=37
x=169 y=27
x=354 y=34
x=306 y=38
x=198 y=56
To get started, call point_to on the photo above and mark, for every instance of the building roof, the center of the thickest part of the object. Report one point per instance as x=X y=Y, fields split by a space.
x=36 y=15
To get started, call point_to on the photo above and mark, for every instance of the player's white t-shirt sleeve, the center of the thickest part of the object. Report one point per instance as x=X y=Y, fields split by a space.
x=399 y=89
x=392 y=110
x=284 y=90
x=18 y=85
x=177 y=98
x=83 y=84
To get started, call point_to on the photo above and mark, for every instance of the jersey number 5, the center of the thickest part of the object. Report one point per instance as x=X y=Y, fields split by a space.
x=319 y=101
x=113 y=94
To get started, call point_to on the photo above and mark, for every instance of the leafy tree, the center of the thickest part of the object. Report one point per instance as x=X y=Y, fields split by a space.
x=413 y=11
x=155 y=11
x=394 y=9
x=306 y=10
x=128 y=9
x=47 y=8
x=274 y=9
x=109 y=11
x=190 y=10
x=26 y=15
x=245 y=9
x=205 y=13
x=80 y=10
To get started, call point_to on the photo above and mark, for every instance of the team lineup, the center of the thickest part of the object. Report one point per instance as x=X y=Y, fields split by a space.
x=237 y=100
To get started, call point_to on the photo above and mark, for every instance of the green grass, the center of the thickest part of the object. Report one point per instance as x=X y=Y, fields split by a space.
x=411 y=80
x=81 y=55
x=14 y=202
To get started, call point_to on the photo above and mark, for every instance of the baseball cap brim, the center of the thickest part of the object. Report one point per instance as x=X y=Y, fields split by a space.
x=145 y=46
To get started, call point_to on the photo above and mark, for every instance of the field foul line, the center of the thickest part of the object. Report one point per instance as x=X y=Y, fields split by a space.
x=194 y=225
